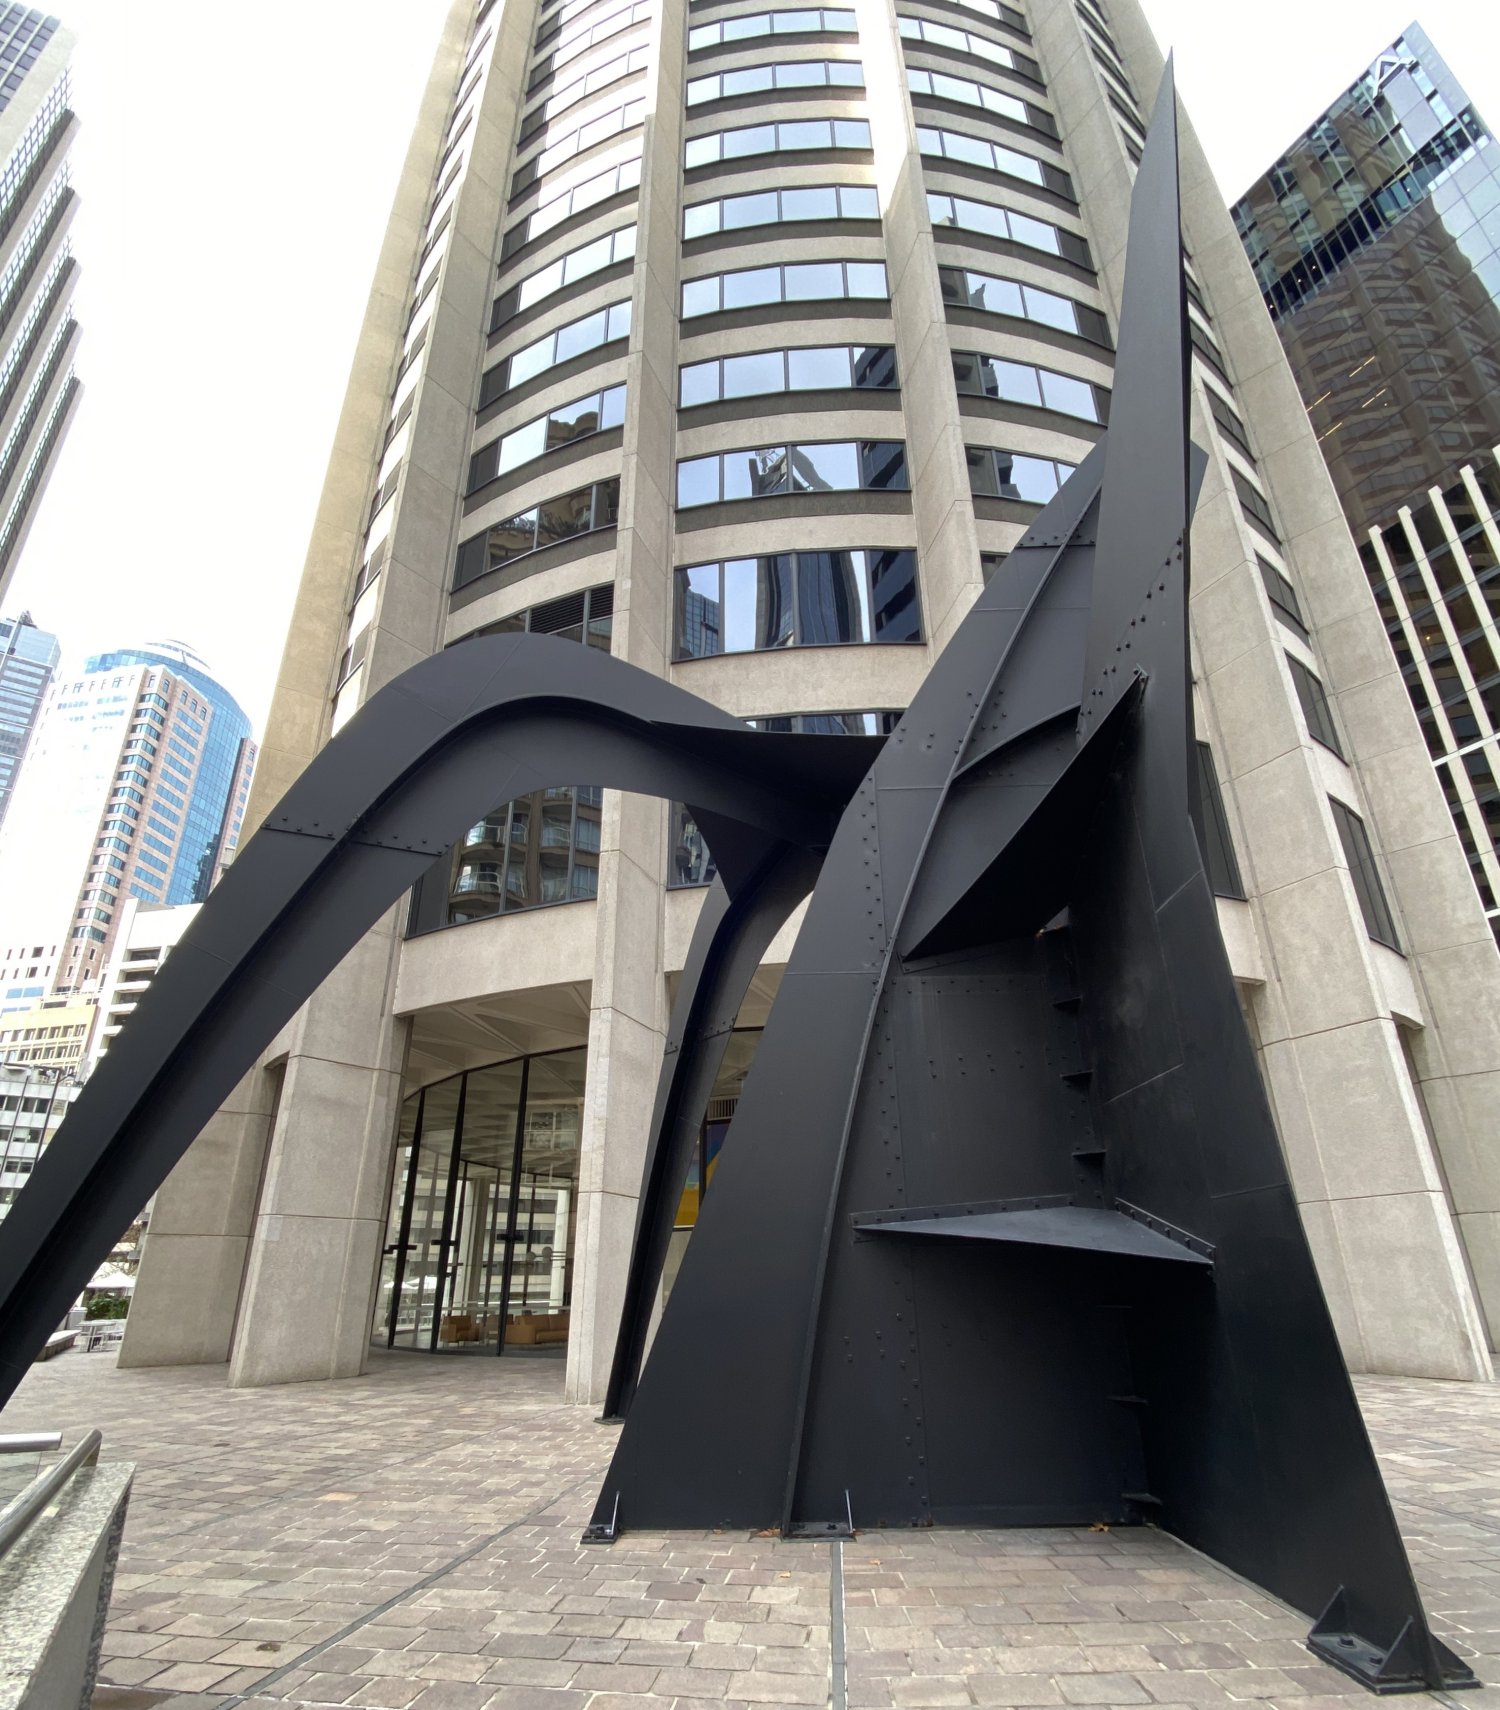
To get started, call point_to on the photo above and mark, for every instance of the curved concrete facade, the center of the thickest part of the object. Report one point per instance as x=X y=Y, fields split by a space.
x=266 y=1246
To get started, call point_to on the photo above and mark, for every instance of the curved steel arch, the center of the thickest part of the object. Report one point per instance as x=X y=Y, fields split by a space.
x=492 y=719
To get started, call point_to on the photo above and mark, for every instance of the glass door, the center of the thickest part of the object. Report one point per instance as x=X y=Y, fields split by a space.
x=422 y=1279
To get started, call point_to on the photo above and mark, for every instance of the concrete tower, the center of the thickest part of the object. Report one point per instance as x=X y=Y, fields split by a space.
x=738 y=339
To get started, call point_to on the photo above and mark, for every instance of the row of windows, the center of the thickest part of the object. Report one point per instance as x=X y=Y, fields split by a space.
x=773 y=207
x=970 y=94
x=796 y=599
x=538 y=849
x=580 y=263
x=865 y=367
x=579 y=88
x=559 y=427
x=587 y=616
x=963 y=288
x=961 y=41
x=797 y=282
x=995 y=474
x=578 y=40
x=573 y=199
x=994 y=157
x=608 y=124
x=993 y=221
x=582 y=511
x=794 y=74
x=1000 y=12
x=789 y=136
x=603 y=326
x=815 y=466
x=1020 y=383
x=825 y=20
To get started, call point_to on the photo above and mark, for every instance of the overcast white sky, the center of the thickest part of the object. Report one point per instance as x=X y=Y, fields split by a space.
x=235 y=169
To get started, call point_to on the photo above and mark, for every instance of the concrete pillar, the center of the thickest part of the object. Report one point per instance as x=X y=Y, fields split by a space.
x=628 y=1008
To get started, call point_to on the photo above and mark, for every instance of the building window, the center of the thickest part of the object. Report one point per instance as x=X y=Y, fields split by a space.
x=990 y=220
x=824 y=21
x=689 y=859
x=581 y=263
x=775 y=207
x=1219 y=860
x=942 y=87
x=965 y=41
x=595 y=130
x=800 y=282
x=963 y=288
x=573 y=199
x=590 y=332
x=1021 y=383
x=791 y=136
x=527 y=853
x=579 y=88
x=587 y=617
x=792 y=74
x=562 y=426
x=1229 y=424
x=860 y=367
x=582 y=511
x=1367 y=886
x=1253 y=503
x=813 y=466
x=1283 y=597
x=965 y=150
x=796 y=599
x=1315 y=707
x=997 y=474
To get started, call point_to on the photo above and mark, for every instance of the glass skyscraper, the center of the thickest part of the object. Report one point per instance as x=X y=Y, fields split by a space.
x=28 y=657
x=1375 y=240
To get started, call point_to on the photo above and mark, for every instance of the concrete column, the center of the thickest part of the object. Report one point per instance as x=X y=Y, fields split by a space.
x=315 y=1247
x=947 y=541
x=187 y=1289
x=628 y=1009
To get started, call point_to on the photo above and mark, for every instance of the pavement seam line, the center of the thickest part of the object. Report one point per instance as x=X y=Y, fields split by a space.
x=838 y=1674
x=352 y=1627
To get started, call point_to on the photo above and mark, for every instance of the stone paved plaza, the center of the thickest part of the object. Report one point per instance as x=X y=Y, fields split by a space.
x=410 y=1538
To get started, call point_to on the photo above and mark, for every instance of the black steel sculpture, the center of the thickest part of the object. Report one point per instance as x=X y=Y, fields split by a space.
x=1002 y=1234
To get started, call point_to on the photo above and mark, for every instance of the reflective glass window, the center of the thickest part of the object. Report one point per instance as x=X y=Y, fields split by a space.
x=522 y=445
x=572 y=421
x=814 y=281
x=700 y=296
x=741 y=211
x=895 y=613
x=874 y=366
x=819 y=202
x=700 y=220
x=750 y=139
x=744 y=376
x=700 y=624
x=817 y=368
x=882 y=464
x=745 y=81
x=753 y=286
x=697 y=481
x=832 y=599
x=818 y=468
x=1069 y=396
x=859 y=202
x=563 y=517
x=755 y=474
x=866 y=278
x=698 y=383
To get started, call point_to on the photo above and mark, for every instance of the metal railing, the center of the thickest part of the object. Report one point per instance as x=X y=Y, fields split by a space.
x=22 y=1510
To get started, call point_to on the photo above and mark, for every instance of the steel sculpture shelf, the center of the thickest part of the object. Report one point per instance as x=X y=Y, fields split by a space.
x=1002 y=1233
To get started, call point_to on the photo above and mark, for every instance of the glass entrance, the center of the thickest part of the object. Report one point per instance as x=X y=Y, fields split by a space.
x=484 y=1205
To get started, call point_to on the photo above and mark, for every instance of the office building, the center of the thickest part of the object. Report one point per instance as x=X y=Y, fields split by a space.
x=741 y=340
x=34 y=1099
x=135 y=785
x=147 y=934
x=38 y=335
x=51 y=1033
x=28 y=657
x=1375 y=240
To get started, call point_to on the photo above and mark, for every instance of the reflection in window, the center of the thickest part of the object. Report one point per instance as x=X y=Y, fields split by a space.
x=585 y=35
x=578 y=88
x=1021 y=383
x=797 y=282
x=796 y=599
x=825 y=20
x=566 y=270
x=993 y=157
x=602 y=327
x=964 y=41
x=789 y=136
x=971 y=94
x=792 y=74
x=1010 y=475
x=864 y=367
x=688 y=859
x=963 y=288
x=570 y=514
x=559 y=427
x=993 y=221
x=773 y=207
x=527 y=853
x=597 y=129
x=812 y=466
x=570 y=199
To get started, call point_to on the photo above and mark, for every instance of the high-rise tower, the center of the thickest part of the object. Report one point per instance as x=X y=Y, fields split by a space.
x=38 y=335
x=135 y=785
x=1376 y=241
x=28 y=657
x=739 y=339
